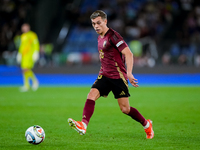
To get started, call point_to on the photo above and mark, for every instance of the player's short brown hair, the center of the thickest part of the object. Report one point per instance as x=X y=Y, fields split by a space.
x=98 y=13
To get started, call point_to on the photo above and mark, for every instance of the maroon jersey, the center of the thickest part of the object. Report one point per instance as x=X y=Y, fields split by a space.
x=112 y=60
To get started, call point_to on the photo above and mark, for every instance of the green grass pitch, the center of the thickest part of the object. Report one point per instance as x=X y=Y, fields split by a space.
x=175 y=112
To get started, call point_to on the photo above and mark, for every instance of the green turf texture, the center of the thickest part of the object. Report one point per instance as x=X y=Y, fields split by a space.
x=175 y=112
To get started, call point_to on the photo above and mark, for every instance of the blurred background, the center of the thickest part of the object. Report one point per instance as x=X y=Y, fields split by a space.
x=164 y=35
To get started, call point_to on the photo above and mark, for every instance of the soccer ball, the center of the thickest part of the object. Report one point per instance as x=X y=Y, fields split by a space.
x=35 y=134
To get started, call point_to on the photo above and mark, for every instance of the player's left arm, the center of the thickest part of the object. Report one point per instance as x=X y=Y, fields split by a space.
x=36 y=48
x=129 y=64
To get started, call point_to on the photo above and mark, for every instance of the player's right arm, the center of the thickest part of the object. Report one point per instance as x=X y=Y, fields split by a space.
x=19 y=54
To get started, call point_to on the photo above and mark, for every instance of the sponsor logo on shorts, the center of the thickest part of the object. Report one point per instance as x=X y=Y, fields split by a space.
x=100 y=76
x=122 y=93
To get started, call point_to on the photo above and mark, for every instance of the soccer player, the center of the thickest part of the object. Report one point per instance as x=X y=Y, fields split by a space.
x=27 y=55
x=113 y=76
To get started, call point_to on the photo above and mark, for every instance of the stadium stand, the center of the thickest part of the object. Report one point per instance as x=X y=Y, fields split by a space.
x=158 y=32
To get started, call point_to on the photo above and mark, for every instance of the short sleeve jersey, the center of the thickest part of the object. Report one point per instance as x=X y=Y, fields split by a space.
x=112 y=60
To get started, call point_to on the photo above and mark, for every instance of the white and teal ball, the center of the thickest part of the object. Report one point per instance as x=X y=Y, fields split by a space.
x=35 y=134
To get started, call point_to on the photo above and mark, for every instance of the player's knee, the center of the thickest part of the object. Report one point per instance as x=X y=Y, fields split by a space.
x=25 y=70
x=125 y=110
x=93 y=94
x=90 y=96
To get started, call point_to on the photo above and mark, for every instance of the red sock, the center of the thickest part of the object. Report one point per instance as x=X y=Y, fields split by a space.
x=88 y=111
x=135 y=114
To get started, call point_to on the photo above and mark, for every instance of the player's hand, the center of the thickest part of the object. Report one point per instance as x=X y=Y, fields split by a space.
x=36 y=56
x=133 y=80
x=19 y=58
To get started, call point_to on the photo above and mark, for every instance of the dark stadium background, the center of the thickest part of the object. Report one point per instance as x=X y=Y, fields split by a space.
x=164 y=36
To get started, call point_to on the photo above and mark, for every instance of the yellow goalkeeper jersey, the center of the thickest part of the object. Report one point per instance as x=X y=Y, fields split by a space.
x=28 y=46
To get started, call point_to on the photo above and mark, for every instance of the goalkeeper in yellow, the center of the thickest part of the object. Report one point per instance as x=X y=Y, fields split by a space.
x=27 y=55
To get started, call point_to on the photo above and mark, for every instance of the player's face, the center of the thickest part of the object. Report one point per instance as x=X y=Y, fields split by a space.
x=99 y=25
x=25 y=28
